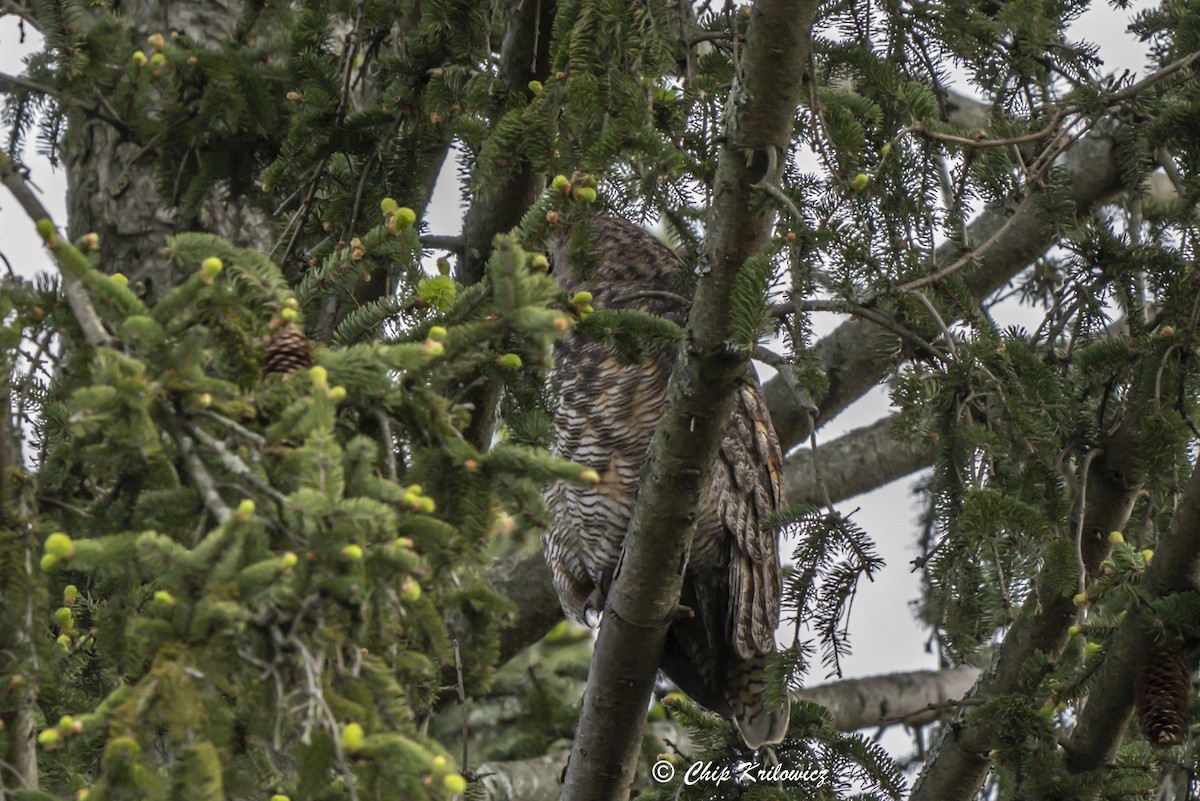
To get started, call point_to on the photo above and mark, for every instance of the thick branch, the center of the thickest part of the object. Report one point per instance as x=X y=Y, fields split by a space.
x=959 y=762
x=503 y=199
x=857 y=462
x=912 y=699
x=852 y=363
x=1097 y=734
x=699 y=399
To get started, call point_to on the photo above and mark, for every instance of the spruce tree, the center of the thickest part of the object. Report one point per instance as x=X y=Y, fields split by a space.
x=264 y=444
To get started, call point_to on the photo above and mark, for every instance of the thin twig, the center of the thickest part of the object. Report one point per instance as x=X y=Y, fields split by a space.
x=14 y=176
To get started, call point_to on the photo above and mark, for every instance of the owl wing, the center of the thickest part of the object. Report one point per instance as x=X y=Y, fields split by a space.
x=748 y=487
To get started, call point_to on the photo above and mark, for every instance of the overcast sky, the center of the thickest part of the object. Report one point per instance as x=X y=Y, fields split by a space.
x=884 y=636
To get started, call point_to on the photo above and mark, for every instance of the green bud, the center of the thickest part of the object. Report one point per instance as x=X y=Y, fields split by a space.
x=64 y=619
x=509 y=361
x=410 y=590
x=353 y=737
x=860 y=182
x=404 y=218
x=60 y=545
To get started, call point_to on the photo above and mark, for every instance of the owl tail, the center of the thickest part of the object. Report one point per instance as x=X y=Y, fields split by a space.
x=758 y=723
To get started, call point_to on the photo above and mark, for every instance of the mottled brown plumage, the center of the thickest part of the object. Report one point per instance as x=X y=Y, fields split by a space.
x=608 y=410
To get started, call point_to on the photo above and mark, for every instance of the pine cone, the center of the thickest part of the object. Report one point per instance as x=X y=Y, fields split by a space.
x=1163 y=681
x=290 y=350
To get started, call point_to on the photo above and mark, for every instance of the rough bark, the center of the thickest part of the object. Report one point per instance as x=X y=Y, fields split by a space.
x=112 y=185
x=699 y=398
x=858 y=462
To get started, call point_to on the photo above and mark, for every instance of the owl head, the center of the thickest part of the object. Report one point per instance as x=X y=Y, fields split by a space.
x=623 y=265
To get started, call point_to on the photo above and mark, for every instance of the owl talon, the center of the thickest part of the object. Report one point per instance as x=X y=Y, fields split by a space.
x=593 y=607
x=681 y=612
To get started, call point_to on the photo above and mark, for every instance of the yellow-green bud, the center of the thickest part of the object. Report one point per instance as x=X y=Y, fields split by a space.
x=589 y=476
x=352 y=552
x=139 y=58
x=289 y=315
x=211 y=267
x=455 y=783
x=64 y=618
x=1074 y=631
x=438 y=291
x=119 y=279
x=1091 y=648
x=410 y=590
x=49 y=562
x=353 y=736
x=860 y=181
x=535 y=87
x=540 y=262
x=338 y=393
x=437 y=333
x=561 y=183
x=509 y=361
x=280 y=797
x=157 y=41
x=246 y=509
x=1081 y=600
x=45 y=229
x=291 y=303
x=60 y=545
x=438 y=763
x=49 y=738
x=288 y=560
x=581 y=298
x=388 y=206
x=404 y=218
x=1147 y=555
x=91 y=241
x=158 y=59
x=66 y=722
x=411 y=500
x=320 y=377
x=70 y=593
x=64 y=642
x=1116 y=538
x=415 y=489
x=165 y=598
x=434 y=348
x=426 y=505
x=586 y=194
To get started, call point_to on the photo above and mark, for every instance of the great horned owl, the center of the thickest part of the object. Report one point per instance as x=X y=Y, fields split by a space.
x=608 y=409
